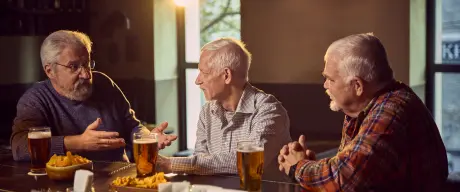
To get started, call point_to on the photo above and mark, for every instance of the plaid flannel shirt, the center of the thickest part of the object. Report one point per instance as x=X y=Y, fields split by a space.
x=259 y=116
x=393 y=145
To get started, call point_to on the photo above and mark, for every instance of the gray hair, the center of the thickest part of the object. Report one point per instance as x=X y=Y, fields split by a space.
x=56 y=42
x=363 y=56
x=229 y=53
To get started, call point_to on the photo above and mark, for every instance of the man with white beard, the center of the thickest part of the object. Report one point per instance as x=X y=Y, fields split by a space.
x=85 y=110
x=390 y=141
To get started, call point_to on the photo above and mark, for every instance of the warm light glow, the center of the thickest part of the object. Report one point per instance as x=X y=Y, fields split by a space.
x=182 y=3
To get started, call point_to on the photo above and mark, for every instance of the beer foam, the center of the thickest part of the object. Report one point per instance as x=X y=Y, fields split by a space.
x=249 y=149
x=144 y=141
x=39 y=135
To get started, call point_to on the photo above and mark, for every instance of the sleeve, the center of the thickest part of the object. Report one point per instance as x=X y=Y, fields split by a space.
x=30 y=113
x=367 y=160
x=271 y=125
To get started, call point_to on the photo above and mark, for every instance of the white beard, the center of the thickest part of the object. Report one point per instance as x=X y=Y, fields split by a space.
x=334 y=107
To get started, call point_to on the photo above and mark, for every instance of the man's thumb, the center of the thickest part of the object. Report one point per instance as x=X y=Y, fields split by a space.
x=94 y=125
x=160 y=128
x=302 y=142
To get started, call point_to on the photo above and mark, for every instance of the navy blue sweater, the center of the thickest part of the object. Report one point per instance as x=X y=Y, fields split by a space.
x=41 y=105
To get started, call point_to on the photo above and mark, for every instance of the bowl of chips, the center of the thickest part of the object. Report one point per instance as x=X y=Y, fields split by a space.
x=64 y=167
x=132 y=183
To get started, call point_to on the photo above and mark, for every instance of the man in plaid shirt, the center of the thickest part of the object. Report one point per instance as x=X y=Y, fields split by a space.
x=235 y=111
x=390 y=141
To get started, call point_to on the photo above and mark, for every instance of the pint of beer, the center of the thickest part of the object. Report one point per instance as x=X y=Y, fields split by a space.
x=145 y=153
x=39 y=140
x=250 y=163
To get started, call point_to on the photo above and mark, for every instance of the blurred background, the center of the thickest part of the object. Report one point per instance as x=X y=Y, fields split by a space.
x=150 y=48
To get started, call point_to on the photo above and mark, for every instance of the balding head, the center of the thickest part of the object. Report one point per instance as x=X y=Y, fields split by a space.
x=363 y=56
x=228 y=53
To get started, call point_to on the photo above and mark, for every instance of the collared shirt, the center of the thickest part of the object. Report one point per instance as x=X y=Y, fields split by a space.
x=258 y=117
x=393 y=145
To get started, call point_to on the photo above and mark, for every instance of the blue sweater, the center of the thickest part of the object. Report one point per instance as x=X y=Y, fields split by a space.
x=41 y=105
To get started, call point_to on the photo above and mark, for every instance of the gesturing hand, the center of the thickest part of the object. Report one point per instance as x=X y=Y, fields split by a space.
x=163 y=139
x=93 y=140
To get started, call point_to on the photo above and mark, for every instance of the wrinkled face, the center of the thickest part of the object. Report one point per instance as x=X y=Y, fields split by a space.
x=210 y=81
x=76 y=83
x=340 y=92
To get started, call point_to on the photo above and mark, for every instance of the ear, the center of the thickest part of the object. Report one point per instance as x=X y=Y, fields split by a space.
x=49 y=71
x=227 y=75
x=358 y=85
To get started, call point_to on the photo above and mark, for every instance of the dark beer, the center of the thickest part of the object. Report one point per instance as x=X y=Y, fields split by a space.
x=145 y=155
x=250 y=163
x=39 y=149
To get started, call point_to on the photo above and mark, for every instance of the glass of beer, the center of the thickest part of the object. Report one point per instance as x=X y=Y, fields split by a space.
x=145 y=153
x=250 y=163
x=39 y=140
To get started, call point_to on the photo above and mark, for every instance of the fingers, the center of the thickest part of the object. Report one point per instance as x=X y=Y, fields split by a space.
x=106 y=134
x=114 y=141
x=311 y=155
x=284 y=150
x=165 y=140
x=94 y=125
x=160 y=128
x=302 y=141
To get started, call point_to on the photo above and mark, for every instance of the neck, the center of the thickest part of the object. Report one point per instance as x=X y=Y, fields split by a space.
x=231 y=103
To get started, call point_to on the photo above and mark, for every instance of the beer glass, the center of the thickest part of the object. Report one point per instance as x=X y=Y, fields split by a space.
x=39 y=141
x=250 y=163
x=145 y=153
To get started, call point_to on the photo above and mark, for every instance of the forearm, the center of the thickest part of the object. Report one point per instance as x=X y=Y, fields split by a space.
x=205 y=164
x=20 y=148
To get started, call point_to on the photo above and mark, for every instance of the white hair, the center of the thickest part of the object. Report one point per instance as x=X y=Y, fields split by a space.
x=363 y=56
x=229 y=53
x=57 y=41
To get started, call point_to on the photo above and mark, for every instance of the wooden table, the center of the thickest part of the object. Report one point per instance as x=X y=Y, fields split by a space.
x=13 y=177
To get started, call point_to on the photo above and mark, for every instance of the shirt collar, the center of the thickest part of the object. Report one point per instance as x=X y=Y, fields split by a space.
x=246 y=104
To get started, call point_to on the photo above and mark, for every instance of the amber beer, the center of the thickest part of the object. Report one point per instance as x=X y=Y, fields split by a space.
x=145 y=153
x=39 y=140
x=250 y=163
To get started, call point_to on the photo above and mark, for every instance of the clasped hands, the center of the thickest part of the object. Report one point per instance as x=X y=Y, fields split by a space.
x=292 y=153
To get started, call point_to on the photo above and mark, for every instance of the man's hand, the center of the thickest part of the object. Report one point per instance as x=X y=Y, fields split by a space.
x=163 y=139
x=163 y=164
x=93 y=140
x=292 y=153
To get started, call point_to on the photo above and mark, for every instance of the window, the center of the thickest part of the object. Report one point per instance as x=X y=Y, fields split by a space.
x=443 y=80
x=204 y=21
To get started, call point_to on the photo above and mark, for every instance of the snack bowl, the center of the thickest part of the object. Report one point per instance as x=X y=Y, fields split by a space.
x=68 y=172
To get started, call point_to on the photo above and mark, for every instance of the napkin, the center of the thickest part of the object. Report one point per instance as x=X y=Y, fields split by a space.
x=174 y=187
x=83 y=181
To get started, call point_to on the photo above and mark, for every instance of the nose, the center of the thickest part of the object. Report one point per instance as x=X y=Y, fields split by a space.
x=85 y=73
x=326 y=84
x=198 y=79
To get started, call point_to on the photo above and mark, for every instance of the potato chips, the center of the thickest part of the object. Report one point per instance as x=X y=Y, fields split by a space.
x=147 y=182
x=67 y=160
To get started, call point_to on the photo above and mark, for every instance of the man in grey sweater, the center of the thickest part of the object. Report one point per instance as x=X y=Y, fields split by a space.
x=86 y=111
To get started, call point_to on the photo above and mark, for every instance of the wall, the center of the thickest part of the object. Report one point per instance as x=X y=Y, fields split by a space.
x=288 y=39
x=20 y=68
x=165 y=42
x=123 y=48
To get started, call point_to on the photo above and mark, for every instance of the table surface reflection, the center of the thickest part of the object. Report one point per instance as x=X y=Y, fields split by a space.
x=13 y=177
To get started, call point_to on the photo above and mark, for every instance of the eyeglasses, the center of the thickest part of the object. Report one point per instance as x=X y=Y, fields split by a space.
x=76 y=68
